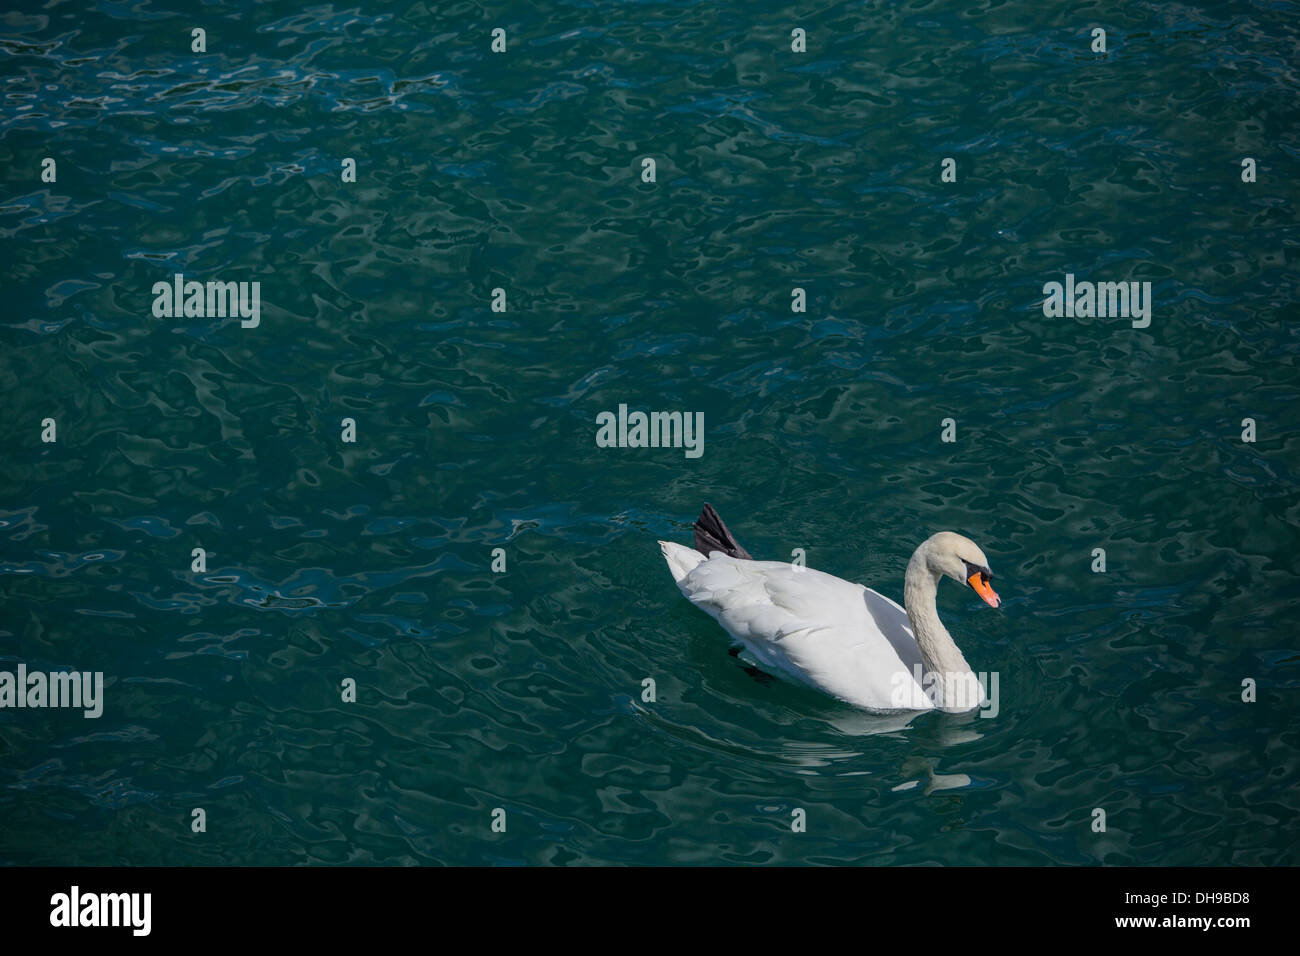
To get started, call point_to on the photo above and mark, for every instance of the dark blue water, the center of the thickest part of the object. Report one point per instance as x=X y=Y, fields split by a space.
x=475 y=430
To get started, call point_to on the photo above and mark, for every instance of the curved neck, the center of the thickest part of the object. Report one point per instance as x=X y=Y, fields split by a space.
x=939 y=653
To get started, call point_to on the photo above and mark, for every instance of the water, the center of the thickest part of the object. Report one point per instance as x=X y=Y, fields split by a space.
x=475 y=430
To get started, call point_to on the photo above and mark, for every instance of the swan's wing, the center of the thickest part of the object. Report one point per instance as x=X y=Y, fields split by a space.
x=894 y=626
x=765 y=600
x=823 y=630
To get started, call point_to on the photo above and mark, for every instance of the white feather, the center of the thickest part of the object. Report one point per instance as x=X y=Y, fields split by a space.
x=834 y=635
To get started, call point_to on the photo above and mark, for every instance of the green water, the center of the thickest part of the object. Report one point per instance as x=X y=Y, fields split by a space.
x=475 y=429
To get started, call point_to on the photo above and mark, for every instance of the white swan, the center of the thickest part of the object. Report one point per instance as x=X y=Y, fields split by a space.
x=837 y=636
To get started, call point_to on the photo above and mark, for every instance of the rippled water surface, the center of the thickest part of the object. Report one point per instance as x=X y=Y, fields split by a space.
x=476 y=429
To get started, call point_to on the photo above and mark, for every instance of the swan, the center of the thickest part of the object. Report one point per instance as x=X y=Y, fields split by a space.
x=839 y=637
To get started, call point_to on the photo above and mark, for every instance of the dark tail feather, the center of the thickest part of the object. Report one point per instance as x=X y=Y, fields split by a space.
x=712 y=535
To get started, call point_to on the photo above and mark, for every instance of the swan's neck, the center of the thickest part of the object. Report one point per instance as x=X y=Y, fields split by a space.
x=939 y=653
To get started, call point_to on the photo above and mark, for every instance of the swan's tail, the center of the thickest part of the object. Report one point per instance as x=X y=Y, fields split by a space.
x=681 y=559
x=712 y=535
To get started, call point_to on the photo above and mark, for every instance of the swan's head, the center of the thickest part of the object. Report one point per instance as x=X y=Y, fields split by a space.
x=961 y=559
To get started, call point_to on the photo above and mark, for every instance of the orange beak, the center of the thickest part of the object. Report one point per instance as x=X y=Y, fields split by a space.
x=981 y=586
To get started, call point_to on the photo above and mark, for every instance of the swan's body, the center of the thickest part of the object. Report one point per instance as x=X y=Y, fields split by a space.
x=840 y=637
